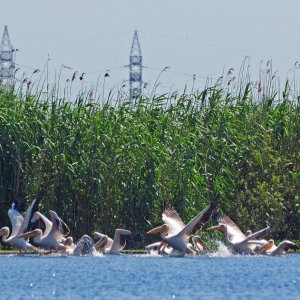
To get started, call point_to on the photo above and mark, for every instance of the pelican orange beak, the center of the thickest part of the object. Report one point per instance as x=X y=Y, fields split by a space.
x=268 y=245
x=159 y=229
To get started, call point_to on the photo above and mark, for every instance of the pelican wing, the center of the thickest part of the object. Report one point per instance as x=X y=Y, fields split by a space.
x=29 y=214
x=258 y=234
x=16 y=212
x=59 y=227
x=20 y=203
x=173 y=220
x=39 y=221
x=16 y=220
x=287 y=245
x=233 y=229
x=84 y=246
x=63 y=227
x=195 y=224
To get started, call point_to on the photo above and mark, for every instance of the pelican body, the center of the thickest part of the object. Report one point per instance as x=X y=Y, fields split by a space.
x=19 y=221
x=53 y=237
x=114 y=246
x=239 y=242
x=179 y=240
x=270 y=248
x=84 y=247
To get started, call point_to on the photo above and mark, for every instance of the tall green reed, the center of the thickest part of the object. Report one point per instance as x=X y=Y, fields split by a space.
x=107 y=166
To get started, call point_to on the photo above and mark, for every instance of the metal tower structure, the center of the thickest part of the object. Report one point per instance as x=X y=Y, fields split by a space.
x=135 y=68
x=7 y=60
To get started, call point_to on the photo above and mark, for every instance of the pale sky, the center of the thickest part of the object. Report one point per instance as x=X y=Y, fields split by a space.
x=202 y=37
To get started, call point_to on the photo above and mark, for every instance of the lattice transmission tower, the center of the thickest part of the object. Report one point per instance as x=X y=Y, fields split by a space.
x=135 y=68
x=7 y=60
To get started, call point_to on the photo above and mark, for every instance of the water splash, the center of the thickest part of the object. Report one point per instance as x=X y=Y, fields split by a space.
x=222 y=251
x=96 y=253
x=153 y=253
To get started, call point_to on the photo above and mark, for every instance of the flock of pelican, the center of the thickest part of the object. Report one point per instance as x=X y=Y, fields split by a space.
x=33 y=231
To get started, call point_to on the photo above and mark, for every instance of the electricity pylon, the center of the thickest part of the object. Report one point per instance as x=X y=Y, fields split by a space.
x=7 y=60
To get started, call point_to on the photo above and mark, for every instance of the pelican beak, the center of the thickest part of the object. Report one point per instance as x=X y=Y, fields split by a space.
x=265 y=247
x=190 y=251
x=198 y=243
x=159 y=229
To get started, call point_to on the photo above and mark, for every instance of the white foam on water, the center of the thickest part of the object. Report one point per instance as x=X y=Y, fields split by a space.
x=96 y=253
x=222 y=251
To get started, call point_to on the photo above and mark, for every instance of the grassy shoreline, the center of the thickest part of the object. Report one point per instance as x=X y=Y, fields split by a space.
x=104 y=167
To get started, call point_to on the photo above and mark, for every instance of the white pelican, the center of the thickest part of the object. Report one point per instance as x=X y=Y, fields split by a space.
x=54 y=238
x=173 y=224
x=85 y=246
x=237 y=240
x=19 y=223
x=40 y=221
x=179 y=240
x=114 y=246
x=270 y=248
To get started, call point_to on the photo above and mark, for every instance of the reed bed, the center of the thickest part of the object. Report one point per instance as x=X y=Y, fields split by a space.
x=117 y=165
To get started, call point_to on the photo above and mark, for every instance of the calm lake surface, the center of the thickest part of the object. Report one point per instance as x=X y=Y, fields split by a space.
x=149 y=277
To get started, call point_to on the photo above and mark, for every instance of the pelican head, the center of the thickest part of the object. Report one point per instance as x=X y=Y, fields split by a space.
x=160 y=229
x=68 y=241
x=248 y=232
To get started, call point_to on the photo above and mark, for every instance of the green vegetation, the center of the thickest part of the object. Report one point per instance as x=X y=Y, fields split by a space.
x=112 y=166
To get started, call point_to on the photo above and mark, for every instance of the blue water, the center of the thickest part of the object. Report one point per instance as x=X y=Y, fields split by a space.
x=150 y=277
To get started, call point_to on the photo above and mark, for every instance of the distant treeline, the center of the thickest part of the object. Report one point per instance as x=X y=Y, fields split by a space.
x=110 y=166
